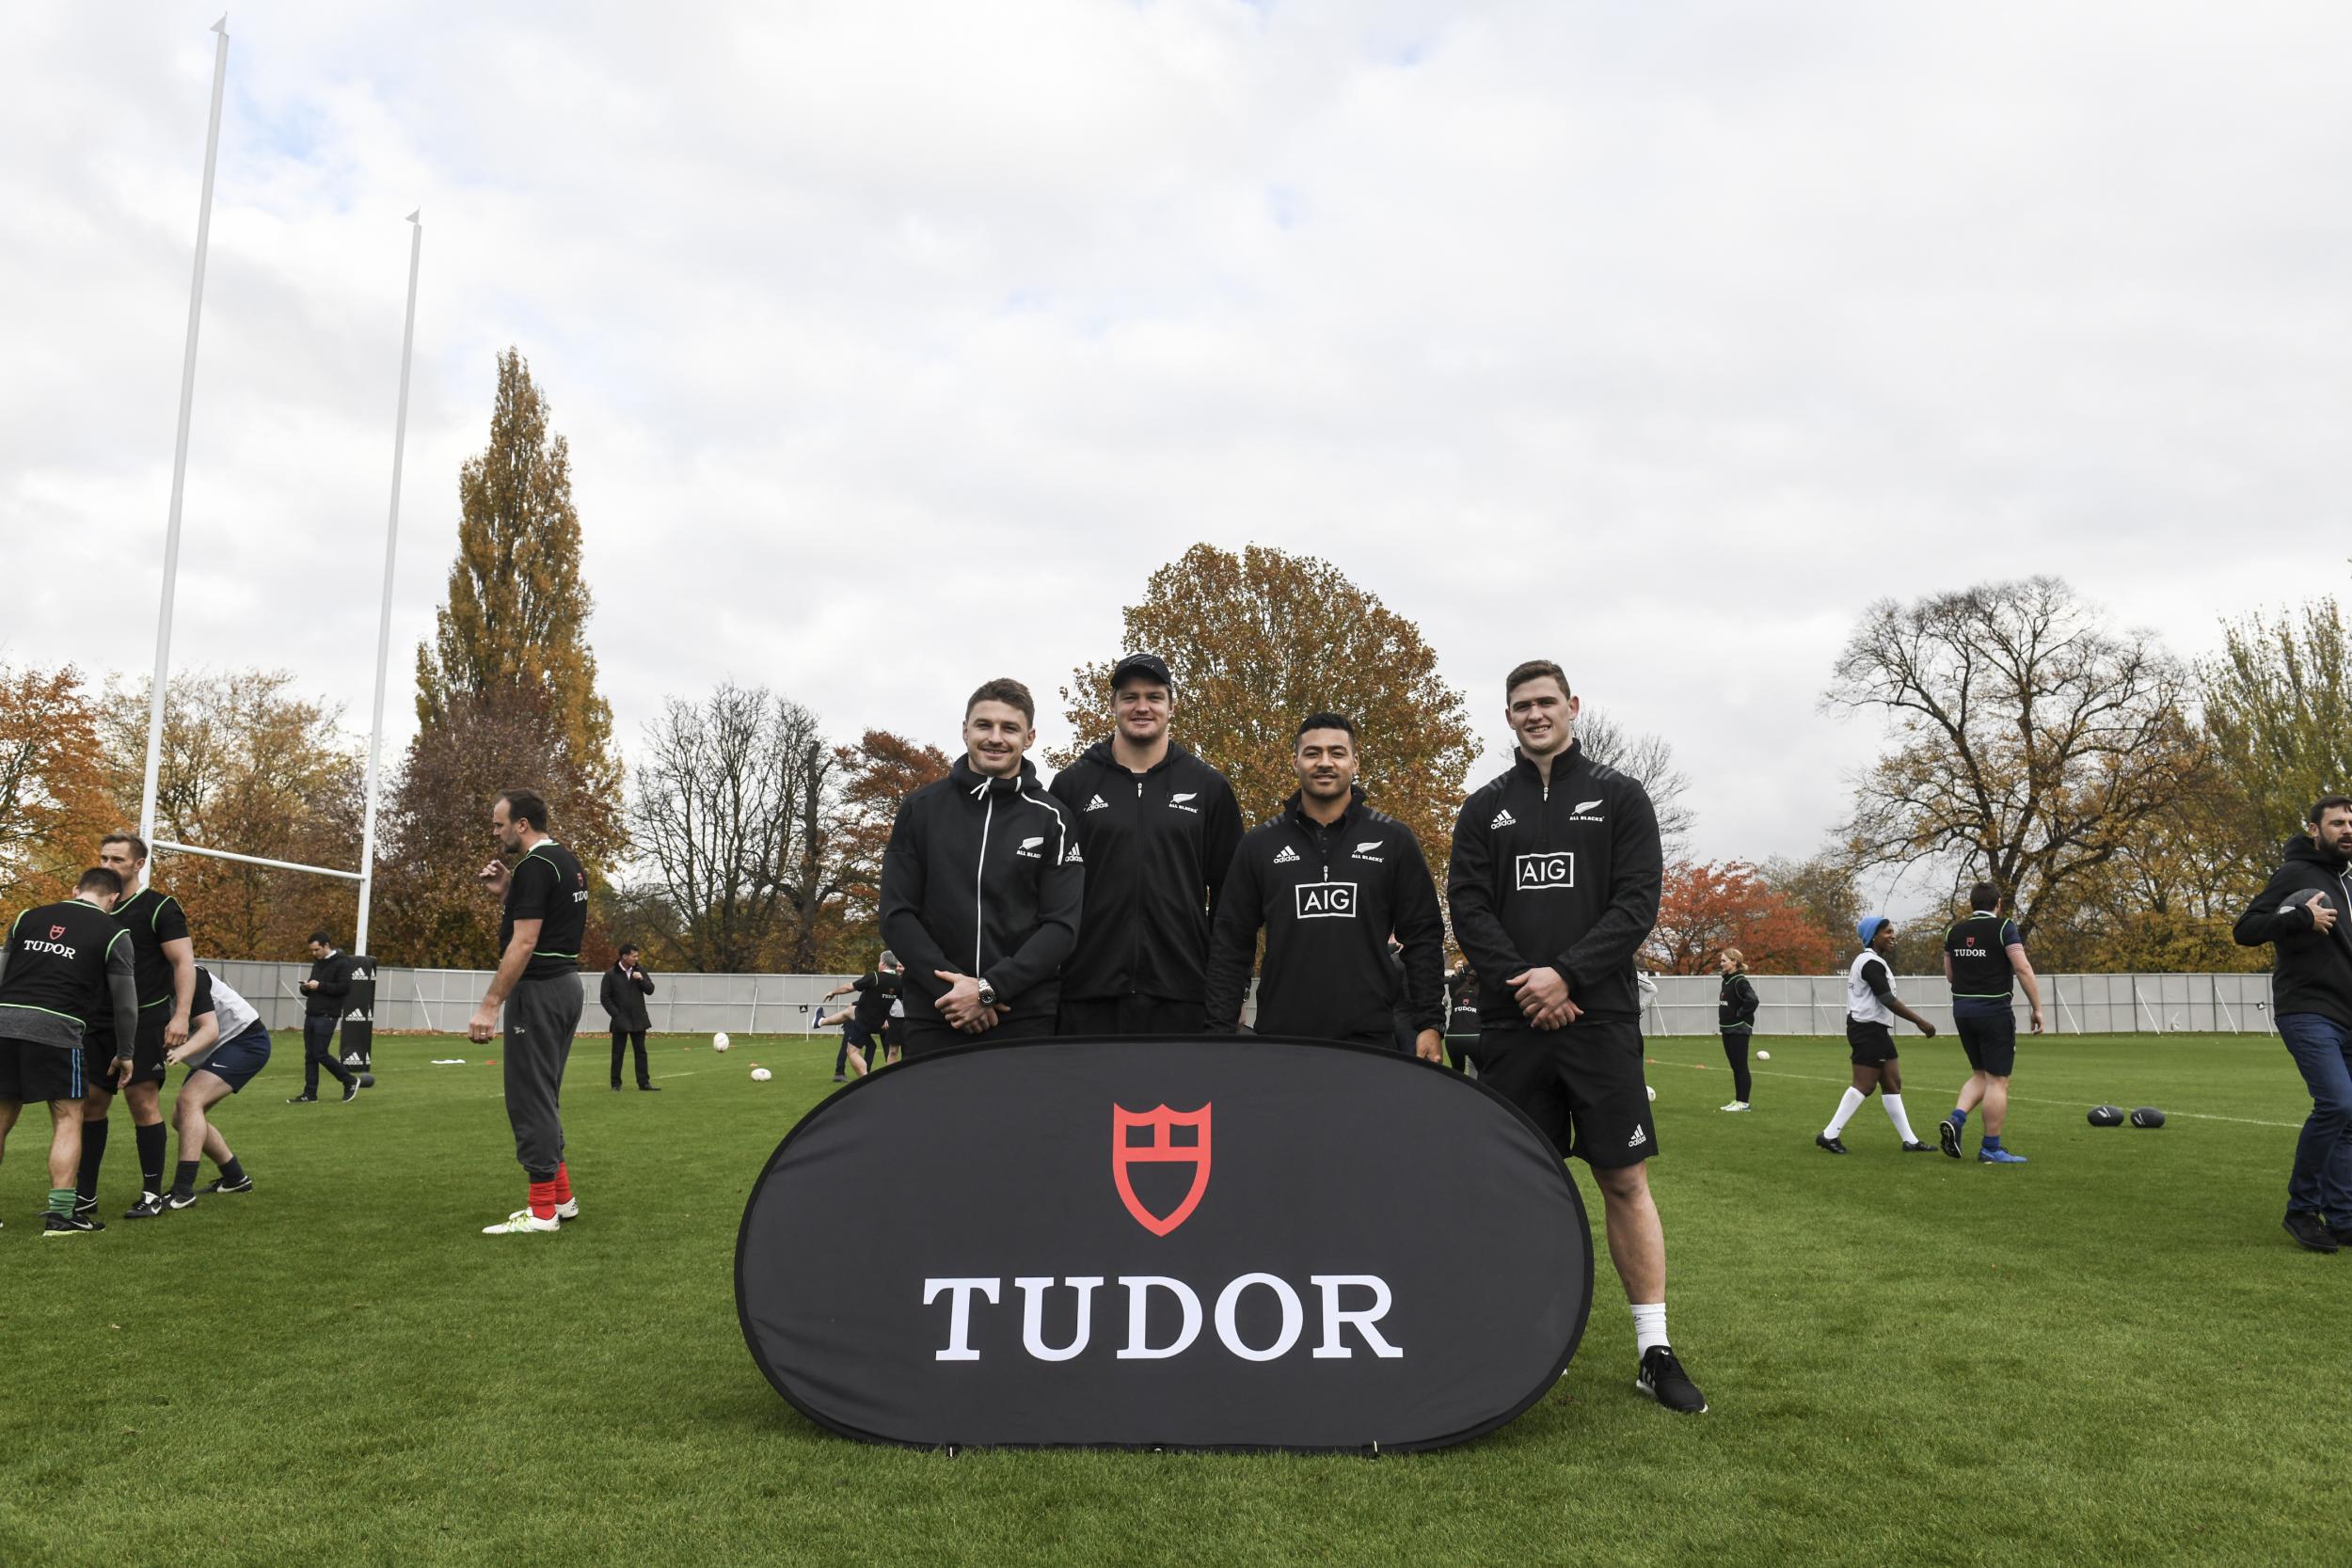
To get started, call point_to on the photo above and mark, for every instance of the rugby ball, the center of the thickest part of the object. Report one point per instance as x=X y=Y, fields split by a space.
x=1653 y=1093
x=761 y=1075
x=1763 y=1056
x=2146 y=1116
x=719 y=1041
x=2106 y=1116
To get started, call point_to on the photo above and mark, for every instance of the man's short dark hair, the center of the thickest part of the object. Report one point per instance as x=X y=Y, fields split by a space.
x=138 y=845
x=2327 y=803
x=626 y=948
x=99 y=878
x=1011 y=692
x=1325 y=722
x=1983 y=896
x=322 y=938
x=526 y=806
x=1535 y=668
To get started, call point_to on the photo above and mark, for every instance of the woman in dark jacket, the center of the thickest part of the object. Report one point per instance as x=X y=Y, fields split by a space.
x=1735 y=1015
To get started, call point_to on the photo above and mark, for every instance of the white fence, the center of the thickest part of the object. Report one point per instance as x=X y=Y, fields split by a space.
x=442 y=999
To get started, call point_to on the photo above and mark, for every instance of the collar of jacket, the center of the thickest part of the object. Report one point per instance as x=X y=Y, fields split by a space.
x=2302 y=847
x=1101 y=755
x=1296 y=808
x=1561 y=765
x=977 y=783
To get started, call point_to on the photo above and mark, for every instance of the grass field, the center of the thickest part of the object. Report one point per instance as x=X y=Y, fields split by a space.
x=2112 y=1355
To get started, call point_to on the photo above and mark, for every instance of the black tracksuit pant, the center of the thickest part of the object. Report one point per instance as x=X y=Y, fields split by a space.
x=318 y=1050
x=622 y=1041
x=1736 y=1052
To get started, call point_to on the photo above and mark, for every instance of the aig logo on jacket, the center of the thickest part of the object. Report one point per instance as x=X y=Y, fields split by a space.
x=1550 y=868
x=1325 y=900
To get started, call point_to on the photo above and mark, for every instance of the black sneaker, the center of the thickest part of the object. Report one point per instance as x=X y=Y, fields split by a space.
x=222 y=1185
x=1918 y=1148
x=304 y=1100
x=617 y=1088
x=85 y=1205
x=840 y=1077
x=2310 y=1231
x=70 y=1225
x=147 y=1208
x=2343 y=1234
x=351 y=1090
x=1822 y=1140
x=1661 y=1378
x=1948 y=1133
x=178 y=1200
x=648 y=1089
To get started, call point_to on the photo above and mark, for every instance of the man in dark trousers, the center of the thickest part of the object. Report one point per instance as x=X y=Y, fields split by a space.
x=622 y=996
x=982 y=886
x=1555 y=879
x=62 y=966
x=2302 y=913
x=543 y=915
x=1328 y=880
x=323 y=996
x=164 y=956
x=1158 y=827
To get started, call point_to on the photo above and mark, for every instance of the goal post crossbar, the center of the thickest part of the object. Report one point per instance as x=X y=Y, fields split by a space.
x=255 y=860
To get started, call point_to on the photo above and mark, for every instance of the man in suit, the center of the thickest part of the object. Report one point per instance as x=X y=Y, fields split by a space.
x=623 y=997
x=323 y=996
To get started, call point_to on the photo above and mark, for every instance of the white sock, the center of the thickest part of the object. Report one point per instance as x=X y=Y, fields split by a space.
x=1847 y=1106
x=1649 y=1326
x=1894 y=1103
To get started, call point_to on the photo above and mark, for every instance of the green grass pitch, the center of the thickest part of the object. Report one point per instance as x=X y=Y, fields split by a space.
x=2112 y=1355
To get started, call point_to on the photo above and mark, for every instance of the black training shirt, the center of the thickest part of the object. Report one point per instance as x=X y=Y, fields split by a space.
x=152 y=919
x=549 y=886
x=1978 y=950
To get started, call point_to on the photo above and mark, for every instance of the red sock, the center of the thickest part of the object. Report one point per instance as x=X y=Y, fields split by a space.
x=562 y=1183
x=542 y=1200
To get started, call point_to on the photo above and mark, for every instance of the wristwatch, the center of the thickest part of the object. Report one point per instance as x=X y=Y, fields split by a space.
x=988 y=994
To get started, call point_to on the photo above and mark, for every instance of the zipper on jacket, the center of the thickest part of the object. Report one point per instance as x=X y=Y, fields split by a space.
x=980 y=903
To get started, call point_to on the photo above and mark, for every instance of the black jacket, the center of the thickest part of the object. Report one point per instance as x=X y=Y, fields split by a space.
x=1327 y=899
x=982 y=877
x=2310 y=973
x=333 y=973
x=1566 y=876
x=623 y=998
x=1157 y=845
x=1736 y=1005
x=877 y=988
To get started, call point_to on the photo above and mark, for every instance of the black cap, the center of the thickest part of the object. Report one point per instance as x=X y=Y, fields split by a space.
x=1142 y=664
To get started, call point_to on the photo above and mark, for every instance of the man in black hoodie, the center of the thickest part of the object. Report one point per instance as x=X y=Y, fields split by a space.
x=2302 y=913
x=983 y=885
x=1554 y=883
x=1158 y=827
x=1328 y=880
x=323 y=996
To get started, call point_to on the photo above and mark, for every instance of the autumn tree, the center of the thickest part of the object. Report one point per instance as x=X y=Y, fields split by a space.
x=250 y=765
x=1258 y=640
x=1649 y=760
x=1705 y=908
x=1823 y=888
x=516 y=617
x=54 y=801
x=2031 y=742
x=735 y=815
x=429 y=909
x=2280 y=715
x=877 y=773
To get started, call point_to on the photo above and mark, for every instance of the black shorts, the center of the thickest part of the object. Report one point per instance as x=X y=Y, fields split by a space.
x=1582 y=1084
x=147 y=1054
x=1870 y=1044
x=31 y=1071
x=1991 y=1041
x=894 y=1033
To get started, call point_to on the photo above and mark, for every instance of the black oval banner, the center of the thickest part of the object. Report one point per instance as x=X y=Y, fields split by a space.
x=1222 y=1243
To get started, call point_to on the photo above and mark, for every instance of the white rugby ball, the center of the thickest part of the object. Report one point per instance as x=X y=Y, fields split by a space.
x=719 y=1041
x=1763 y=1056
x=761 y=1075
x=1653 y=1093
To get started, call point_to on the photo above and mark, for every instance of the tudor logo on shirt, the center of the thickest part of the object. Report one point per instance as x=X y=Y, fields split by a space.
x=1030 y=849
x=1176 y=803
x=1325 y=900
x=1550 y=868
x=57 y=933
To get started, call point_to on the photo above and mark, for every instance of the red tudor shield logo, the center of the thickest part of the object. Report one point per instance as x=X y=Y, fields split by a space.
x=57 y=933
x=1162 y=1149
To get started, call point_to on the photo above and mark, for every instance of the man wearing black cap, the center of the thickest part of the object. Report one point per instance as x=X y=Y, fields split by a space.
x=1158 y=827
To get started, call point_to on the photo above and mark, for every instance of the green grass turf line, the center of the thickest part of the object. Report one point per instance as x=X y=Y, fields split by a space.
x=2112 y=1355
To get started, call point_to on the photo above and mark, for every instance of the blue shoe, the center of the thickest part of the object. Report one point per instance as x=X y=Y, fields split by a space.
x=1998 y=1157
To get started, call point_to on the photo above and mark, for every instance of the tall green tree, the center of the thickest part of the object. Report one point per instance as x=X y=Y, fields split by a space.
x=2279 y=716
x=517 y=620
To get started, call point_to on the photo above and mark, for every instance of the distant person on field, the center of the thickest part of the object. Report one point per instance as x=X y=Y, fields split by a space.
x=1461 y=1019
x=323 y=996
x=622 y=995
x=864 y=1020
x=227 y=1046
x=2302 y=913
x=1735 y=1020
x=62 y=966
x=1872 y=1009
x=1983 y=957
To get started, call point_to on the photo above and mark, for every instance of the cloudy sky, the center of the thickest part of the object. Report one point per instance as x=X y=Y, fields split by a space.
x=898 y=342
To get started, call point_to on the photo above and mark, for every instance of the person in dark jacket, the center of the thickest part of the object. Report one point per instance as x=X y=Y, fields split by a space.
x=1554 y=883
x=1158 y=827
x=622 y=995
x=1735 y=1017
x=2302 y=913
x=1461 y=1019
x=982 y=886
x=323 y=996
x=1329 y=882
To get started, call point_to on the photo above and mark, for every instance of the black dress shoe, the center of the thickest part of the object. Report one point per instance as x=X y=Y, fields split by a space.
x=649 y=1088
x=2310 y=1231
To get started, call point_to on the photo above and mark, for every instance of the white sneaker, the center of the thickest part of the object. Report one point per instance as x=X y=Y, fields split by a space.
x=1735 y=1106
x=567 y=1210
x=521 y=1220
